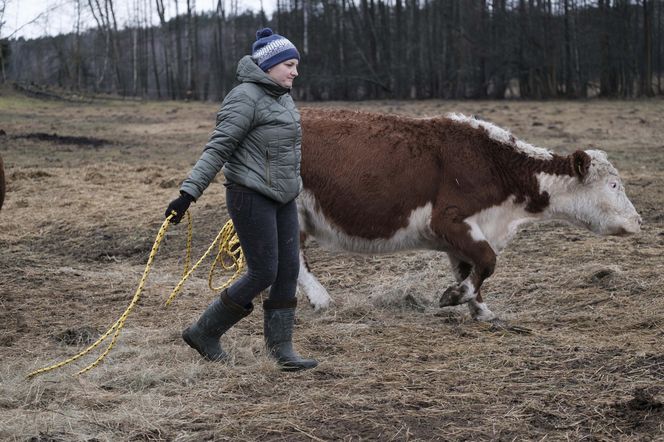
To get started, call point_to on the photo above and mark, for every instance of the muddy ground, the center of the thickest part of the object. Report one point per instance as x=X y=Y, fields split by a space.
x=87 y=186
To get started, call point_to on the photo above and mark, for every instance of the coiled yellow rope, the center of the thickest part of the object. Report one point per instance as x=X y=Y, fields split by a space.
x=229 y=250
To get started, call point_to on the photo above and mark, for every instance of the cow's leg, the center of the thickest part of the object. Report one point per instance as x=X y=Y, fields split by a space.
x=468 y=245
x=318 y=296
x=478 y=308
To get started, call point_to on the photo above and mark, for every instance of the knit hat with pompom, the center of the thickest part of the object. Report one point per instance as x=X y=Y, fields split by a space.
x=270 y=49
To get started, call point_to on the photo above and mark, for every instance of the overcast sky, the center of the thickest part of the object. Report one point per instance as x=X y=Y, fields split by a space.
x=59 y=16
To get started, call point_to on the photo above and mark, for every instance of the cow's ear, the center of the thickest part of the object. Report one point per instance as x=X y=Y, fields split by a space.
x=580 y=164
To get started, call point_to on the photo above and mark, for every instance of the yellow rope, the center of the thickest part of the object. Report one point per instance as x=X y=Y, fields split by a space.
x=228 y=246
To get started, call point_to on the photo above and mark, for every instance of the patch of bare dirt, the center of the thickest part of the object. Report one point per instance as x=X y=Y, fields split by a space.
x=63 y=139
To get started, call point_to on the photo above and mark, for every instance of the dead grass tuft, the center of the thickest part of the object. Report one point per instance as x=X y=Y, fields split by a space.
x=77 y=336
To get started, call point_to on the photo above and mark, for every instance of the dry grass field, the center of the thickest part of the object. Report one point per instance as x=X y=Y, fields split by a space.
x=88 y=183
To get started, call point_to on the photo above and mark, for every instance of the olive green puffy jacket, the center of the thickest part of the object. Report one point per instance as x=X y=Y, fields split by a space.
x=257 y=139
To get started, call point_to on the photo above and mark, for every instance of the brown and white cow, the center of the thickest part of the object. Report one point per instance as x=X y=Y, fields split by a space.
x=382 y=183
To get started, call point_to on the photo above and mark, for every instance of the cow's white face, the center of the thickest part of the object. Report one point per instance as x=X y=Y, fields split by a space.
x=596 y=200
x=607 y=207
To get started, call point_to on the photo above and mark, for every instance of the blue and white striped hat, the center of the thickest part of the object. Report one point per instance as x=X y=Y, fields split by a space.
x=270 y=49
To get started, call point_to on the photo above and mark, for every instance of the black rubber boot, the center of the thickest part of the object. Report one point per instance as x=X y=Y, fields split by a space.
x=221 y=315
x=279 y=321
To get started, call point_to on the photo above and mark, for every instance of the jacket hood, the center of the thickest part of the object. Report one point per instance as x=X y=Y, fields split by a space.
x=249 y=72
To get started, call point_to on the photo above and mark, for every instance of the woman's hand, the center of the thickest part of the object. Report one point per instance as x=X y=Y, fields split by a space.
x=179 y=205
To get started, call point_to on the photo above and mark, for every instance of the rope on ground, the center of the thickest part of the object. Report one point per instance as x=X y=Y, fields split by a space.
x=229 y=248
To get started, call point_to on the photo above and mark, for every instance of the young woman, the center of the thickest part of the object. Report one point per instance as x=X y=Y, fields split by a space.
x=256 y=144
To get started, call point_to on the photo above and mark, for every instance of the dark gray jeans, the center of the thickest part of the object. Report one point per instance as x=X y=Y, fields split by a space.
x=270 y=237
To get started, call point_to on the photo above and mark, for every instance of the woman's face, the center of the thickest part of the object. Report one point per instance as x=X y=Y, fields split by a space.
x=284 y=73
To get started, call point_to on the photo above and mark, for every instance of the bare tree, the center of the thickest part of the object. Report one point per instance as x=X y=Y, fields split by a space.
x=106 y=22
x=153 y=53
x=658 y=39
x=166 y=44
x=192 y=38
x=219 y=64
x=3 y=6
x=4 y=47
x=134 y=48
x=646 y=61
x=78 y=59
x=178 y=51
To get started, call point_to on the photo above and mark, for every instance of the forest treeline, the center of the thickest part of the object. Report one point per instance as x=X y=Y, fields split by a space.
x=362 y=49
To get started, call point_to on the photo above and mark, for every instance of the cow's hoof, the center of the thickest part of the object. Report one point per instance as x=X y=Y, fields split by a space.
x=319 y=304
x=480 y=312
x=452 y=296
x=485 y=316
x=318 y=297
x=318 y=308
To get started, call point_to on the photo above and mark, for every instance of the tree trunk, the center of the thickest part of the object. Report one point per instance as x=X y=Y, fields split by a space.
x=569 y=71
x=605 y=89
x=113 y=27
x=220 y=69
x=177 y=71
x=659 y=39
x=77 y=55
x=165 y=41
x=102 y=25
x=646 y=61
x=191 y=92
x=134 y=61
x=155 y=69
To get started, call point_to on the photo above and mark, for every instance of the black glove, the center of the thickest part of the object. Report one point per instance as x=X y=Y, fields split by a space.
x=179 y=205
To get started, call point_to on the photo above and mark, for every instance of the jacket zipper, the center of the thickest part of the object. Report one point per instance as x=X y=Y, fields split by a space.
x=267 y=168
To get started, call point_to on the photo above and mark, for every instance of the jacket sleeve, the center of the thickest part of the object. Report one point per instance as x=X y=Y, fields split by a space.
x=234 y=121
